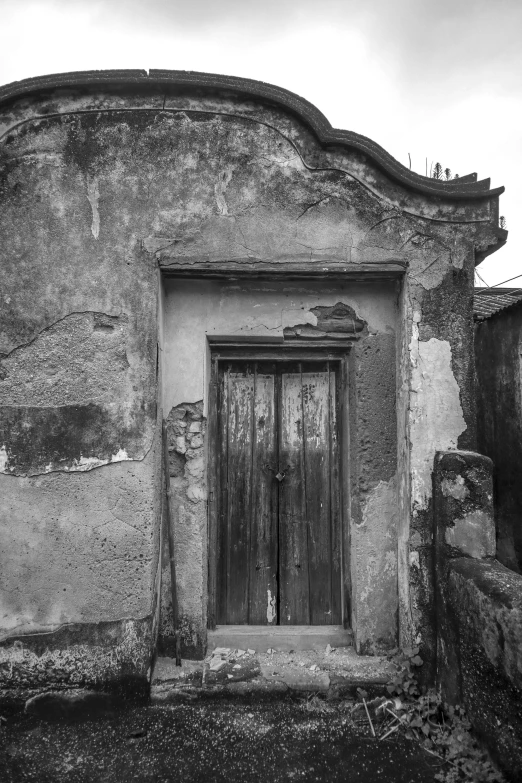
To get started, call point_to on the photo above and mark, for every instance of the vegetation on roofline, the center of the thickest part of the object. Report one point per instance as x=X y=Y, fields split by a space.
x=437 y=172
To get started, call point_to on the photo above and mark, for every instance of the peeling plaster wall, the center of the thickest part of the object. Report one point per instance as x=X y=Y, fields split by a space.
x=66 y=399
x=186 y=431
x=101 y=186
x=80 y=549
x=197 y=310
x=78 y=554
x=436 y=412
x=374 y=560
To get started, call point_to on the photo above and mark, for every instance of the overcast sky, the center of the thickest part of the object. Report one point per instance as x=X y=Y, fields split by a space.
x=439 y=79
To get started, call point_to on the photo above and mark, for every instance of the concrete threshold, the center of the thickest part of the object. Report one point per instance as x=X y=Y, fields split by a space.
x=284 y=638
x=336 y=673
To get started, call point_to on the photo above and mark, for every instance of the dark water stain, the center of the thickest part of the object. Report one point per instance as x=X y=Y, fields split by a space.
x=36 y=437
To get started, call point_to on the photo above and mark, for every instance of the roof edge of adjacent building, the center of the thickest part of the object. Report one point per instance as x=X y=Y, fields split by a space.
x=489 y=302
x=463 y=188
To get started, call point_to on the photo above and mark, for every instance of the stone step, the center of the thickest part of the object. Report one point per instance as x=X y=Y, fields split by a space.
x=283 y=638
x=338 y=673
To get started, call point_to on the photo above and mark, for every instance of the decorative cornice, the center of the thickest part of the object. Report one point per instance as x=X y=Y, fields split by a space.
x=465 y=188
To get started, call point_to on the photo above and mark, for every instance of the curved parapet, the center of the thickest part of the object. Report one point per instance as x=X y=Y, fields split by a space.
x=467 y=187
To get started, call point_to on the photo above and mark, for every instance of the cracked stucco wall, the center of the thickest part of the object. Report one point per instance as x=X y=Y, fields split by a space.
x=195 y=311
x=99 y=189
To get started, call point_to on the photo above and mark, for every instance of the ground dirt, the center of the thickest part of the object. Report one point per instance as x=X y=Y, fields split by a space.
x=290 y=739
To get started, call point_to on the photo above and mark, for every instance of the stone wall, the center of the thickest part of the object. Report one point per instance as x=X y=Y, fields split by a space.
x=479 y=608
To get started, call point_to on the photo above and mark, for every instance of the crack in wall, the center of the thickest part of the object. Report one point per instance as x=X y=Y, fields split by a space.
x=238 y=116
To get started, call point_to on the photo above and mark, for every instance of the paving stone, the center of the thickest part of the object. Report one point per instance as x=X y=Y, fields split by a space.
x=297 y=679
x=169 y=694
x=165 y=670
x=256 y=686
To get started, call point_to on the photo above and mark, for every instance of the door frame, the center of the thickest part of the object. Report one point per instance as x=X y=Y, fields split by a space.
x=313 y=351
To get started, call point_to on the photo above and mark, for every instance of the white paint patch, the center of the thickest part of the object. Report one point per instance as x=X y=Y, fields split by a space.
x=93 y=194
x=296 y=316
x=473 y=535
x=271 y=607
x=436 y=419
x=455 y=488
x=3 y=460
x=120 y=456
x=88 y=463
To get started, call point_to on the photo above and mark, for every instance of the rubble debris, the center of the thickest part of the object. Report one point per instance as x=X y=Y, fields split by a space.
x=216 y=664
x=369 y=719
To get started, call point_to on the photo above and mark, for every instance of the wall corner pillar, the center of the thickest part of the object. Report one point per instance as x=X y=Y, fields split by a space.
x=464 y=527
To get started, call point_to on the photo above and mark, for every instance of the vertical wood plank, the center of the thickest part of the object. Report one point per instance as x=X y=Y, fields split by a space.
x=316 y=437
x=222 y=496
x=293 y=536
x=213 y=500
x=263 y=551
x=345 y=402
x=335 y=497
x=240 y=442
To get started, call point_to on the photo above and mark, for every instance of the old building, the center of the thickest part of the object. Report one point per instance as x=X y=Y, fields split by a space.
x=498 y=352
x=295 y=304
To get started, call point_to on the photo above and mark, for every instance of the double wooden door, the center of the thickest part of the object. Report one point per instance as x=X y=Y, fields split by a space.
x=278 y=510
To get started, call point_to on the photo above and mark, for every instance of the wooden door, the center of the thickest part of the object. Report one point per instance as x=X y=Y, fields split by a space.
x=278 y=538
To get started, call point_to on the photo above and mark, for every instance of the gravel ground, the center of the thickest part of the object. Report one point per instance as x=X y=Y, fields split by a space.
x=216 y=740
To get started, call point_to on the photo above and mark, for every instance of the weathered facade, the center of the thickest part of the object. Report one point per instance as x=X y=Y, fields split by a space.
x=498 y=352
x=155 y=226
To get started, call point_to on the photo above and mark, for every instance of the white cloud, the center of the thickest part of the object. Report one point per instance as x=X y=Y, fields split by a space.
x=436 y=79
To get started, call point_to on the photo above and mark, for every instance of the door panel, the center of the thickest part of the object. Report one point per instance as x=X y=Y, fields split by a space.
x=278 y=542
x=315 y=392
x=294 y=595
x=240 y=473
x=334 y=381
x=262 y=606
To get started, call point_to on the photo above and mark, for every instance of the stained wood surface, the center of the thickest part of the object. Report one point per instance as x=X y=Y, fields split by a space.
x=240 y=475
x=294 y=597
x=315 y=394
x=262 y=606
x=278 y=543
